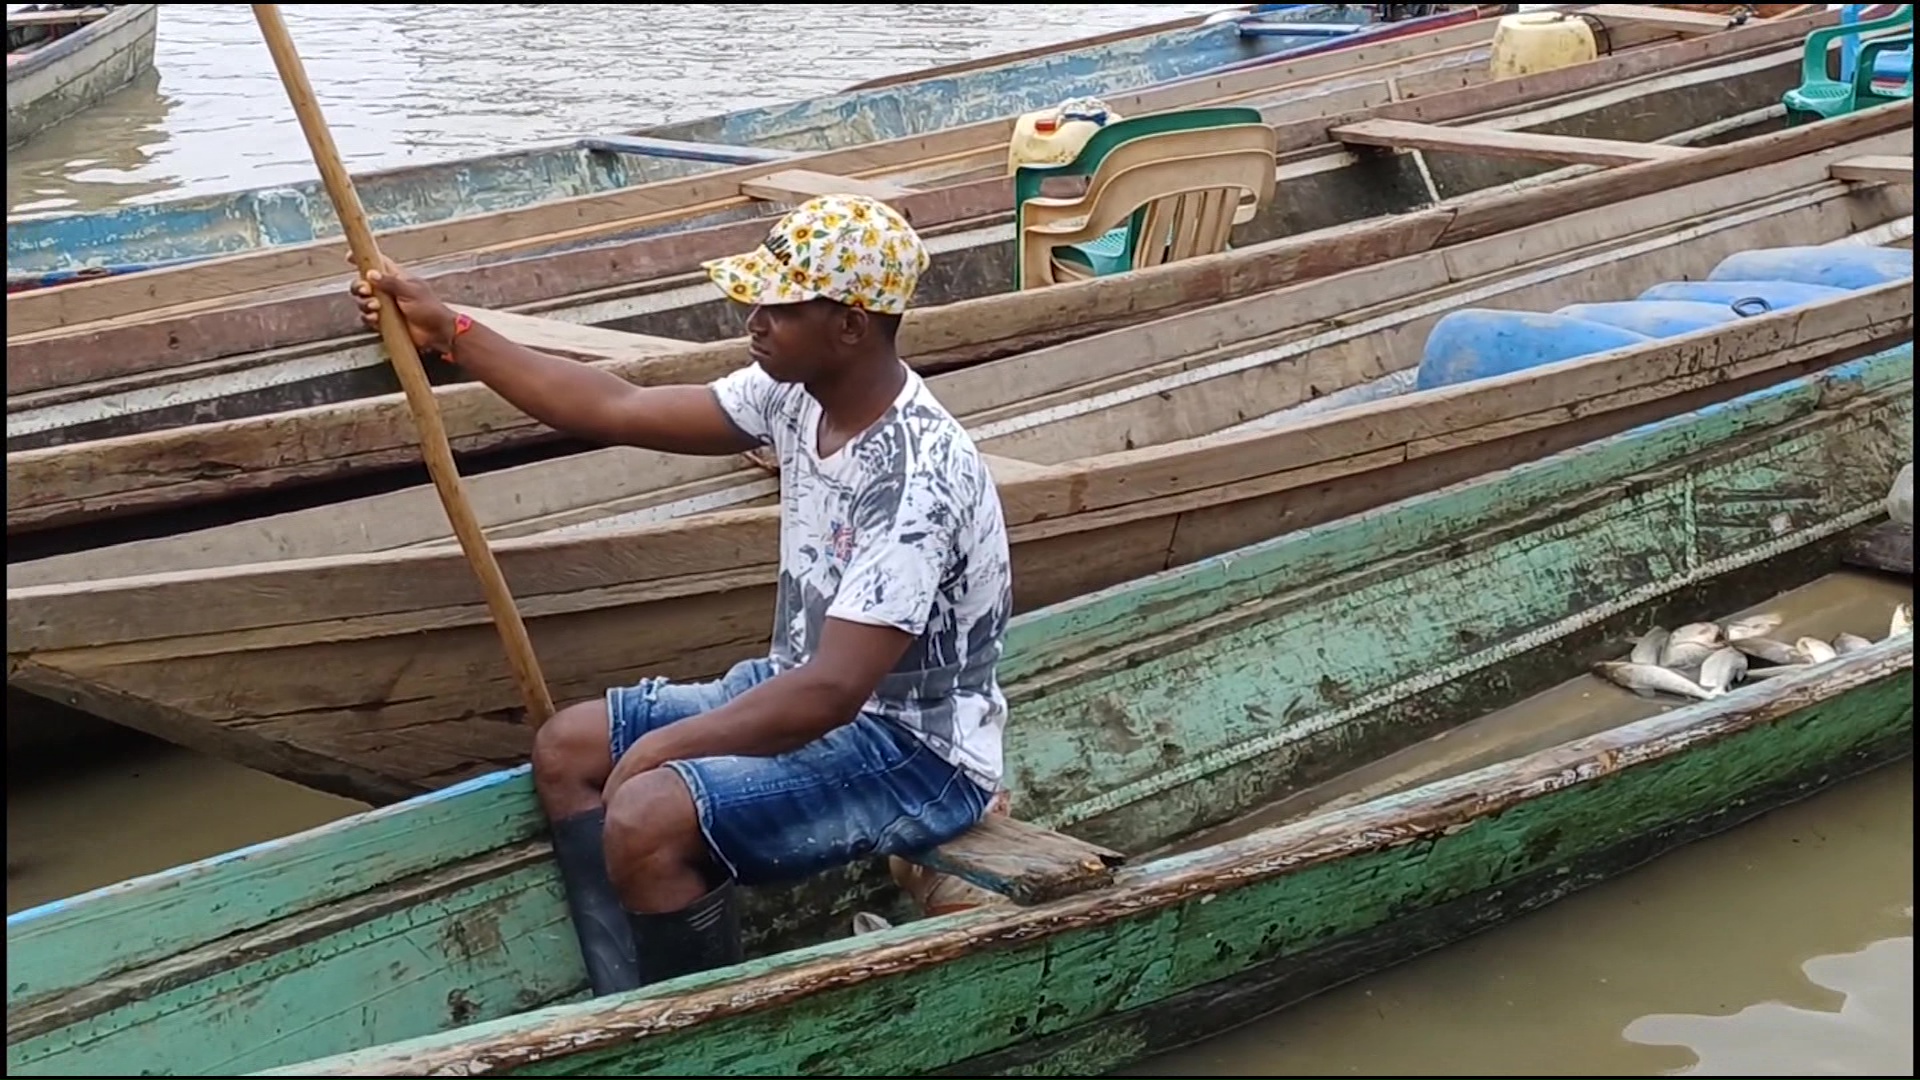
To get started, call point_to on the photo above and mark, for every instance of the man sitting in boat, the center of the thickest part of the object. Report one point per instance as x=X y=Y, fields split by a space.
x=873 y=727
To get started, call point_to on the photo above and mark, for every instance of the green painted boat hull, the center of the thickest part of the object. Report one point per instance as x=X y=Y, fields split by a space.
x=1145 y=713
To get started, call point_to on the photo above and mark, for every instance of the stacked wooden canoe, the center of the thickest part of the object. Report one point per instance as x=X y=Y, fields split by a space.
x=346 y=647
x=167 y=369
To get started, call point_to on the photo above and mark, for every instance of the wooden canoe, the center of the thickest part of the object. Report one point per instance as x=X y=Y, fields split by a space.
x=366 y=441
x=373 y=672
x=1259 y=735
x=1034 y=407
x=62 y=61
x=62 y=249
x=208 y=355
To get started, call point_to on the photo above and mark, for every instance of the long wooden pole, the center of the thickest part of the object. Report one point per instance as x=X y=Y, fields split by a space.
x=413 y=377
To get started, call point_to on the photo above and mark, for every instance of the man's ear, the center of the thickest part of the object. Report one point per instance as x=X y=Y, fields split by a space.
x=855 y=325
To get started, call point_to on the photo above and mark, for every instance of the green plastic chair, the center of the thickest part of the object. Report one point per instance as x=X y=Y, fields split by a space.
x=1821 y=97
x=1114 y=160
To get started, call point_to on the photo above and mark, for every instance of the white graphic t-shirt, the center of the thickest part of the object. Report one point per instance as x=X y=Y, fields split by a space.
x=900 y=527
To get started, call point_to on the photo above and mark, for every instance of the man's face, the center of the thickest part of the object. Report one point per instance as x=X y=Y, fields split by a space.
x=799 y=342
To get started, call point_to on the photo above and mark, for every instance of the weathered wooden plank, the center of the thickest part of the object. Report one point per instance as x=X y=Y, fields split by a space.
x=1674 y=18
x=1887 y=547
x=576 y=339
x=1881 y=168
x=799 y=185
x=1516 y=144
x=1022 y=862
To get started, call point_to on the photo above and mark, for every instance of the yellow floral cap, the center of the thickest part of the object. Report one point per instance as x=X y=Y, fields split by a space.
x=850 y=248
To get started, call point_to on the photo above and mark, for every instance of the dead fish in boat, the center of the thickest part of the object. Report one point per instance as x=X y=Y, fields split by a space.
x=1689 y=646
x=1850 y=643
x=1648 y=649
x=1752 y=626
x=1766 y=648
x=1638 y=677
x=1723 y=670
x=1770 y=672
x=1815 y=650
x=1902 y=621
x=866 y=922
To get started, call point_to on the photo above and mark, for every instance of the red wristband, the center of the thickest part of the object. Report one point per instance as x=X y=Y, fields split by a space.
x=462 y=322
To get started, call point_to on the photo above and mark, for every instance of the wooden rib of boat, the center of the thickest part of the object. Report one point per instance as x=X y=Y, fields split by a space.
x=230 y=460
x=48 y=249
x=374 y=673
x=172 y=359
x=1259 y=735
x=63 y=58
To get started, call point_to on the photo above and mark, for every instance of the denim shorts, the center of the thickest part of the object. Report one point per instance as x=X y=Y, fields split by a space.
x=866 y=788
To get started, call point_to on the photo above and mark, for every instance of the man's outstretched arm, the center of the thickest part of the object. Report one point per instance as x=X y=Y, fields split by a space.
x=571 y=397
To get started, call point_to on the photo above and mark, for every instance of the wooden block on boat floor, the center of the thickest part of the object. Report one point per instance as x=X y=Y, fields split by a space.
x=799 y=185
x=1022 y=862
x=575 y=339
x=1488 y=142
x=1884 y=168
x=1887 y=547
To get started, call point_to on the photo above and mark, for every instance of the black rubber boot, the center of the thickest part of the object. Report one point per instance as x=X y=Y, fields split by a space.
x=699 y=937
x=606 y=940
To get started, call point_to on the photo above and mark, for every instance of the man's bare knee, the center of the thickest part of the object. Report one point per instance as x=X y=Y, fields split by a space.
x=572 y=758
x=652 y=819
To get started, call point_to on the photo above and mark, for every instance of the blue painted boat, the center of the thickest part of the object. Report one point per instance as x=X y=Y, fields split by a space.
x=53 y=249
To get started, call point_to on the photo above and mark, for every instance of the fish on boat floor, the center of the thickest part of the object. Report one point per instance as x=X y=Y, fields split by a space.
x=1847 y=602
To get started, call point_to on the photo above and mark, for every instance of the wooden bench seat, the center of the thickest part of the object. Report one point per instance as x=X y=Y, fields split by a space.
x=1022 y=862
